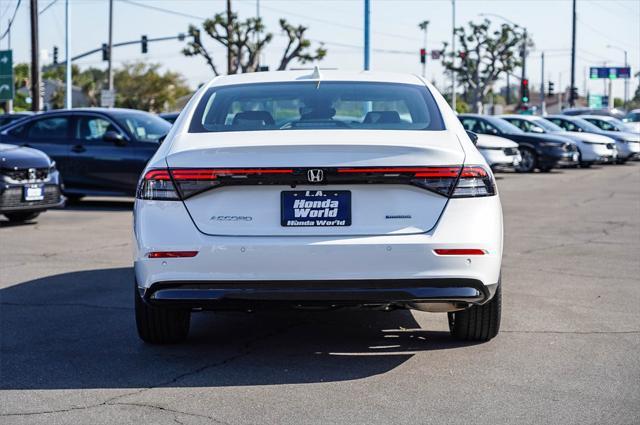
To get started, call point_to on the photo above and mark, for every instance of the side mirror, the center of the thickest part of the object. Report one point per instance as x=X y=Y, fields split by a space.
x=536 y=130
x=473 y=136
x=114 y=137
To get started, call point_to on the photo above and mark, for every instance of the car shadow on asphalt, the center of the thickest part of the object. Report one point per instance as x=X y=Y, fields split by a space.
x=77 y=330
x=7 y=223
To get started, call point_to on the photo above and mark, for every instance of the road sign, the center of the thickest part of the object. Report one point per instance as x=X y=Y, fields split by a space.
x=599 y=72
x=107 y=98
x=597 y=101
x=6 y=75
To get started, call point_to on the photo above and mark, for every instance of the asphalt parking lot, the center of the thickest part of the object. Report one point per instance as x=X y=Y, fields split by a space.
x=567 y=352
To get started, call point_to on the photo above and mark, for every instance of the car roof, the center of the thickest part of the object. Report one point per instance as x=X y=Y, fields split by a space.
x=599 y=117
x=524 y=117
x=311 y=75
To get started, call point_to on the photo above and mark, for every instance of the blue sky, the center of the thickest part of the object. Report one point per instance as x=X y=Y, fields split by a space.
x=396 y=38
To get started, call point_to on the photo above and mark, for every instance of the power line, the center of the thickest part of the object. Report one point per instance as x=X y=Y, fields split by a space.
x=47 y=7
x=11 y=21
x=162 y=9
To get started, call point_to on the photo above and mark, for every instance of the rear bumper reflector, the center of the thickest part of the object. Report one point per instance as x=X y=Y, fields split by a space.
x=172 y=254
x=465 y=251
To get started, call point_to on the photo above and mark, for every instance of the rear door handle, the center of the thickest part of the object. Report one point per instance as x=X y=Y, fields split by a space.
x=78 y=149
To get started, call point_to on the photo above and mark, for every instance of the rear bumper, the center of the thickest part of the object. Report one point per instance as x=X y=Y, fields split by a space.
x=231 y=260
x=242 y=295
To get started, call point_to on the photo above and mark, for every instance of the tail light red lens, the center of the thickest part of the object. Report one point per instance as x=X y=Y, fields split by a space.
x=172 y=254
x=157 y=185
x=462 y=251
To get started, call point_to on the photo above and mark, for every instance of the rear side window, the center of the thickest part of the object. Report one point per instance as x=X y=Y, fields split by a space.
x=316 y=105
x=49 y=128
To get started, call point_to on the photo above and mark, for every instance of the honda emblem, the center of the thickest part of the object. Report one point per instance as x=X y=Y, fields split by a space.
x=315 y=176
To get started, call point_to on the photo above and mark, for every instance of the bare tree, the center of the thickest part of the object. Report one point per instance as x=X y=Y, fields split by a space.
x=298 y=46
x=246 y=40
x=483 y=57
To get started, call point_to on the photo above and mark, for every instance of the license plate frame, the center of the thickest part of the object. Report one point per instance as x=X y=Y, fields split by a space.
x=33 y=193
x=323 y=214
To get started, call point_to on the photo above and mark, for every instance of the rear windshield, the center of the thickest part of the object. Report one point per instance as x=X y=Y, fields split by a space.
x=314 y=105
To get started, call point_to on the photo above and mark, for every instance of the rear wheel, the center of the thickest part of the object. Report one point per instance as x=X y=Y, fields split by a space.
x=160 y=325
x=479 y=322
x=529 y=161
x=17 y=217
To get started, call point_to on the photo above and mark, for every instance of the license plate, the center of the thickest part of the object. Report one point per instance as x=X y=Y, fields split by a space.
x=316 y=208
x=33 y=193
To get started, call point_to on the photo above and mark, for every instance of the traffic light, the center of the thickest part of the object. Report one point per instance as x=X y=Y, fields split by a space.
x=55 y=55
x=196 y=36
x=423 y=55
x=462 y=55
x=550 y=91
x=143 y=43
x=105 y=52
x=524 y=90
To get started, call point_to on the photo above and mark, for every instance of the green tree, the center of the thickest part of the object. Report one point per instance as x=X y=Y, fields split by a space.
x=141 y=85
x=483 y=57
x=246 y=40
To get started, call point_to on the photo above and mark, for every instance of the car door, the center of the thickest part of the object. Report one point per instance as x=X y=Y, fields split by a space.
x=99 y=158
x=49 y=134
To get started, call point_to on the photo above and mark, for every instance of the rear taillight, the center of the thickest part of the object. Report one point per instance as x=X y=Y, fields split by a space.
x=157 y=185
x=450 y=181
x=474 y=181
x=456 y=182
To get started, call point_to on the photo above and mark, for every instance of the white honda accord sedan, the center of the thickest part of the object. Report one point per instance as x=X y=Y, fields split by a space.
x=320 y=189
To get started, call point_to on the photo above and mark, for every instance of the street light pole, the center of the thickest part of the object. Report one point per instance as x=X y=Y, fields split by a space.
x=424 y=25
x=35 y=59
x=110 y=48
x=453 y=57
x=367 y=47
x=543 y=105
x=524 y=63
x=626 y=81
x=68 y=103
x=572 y=100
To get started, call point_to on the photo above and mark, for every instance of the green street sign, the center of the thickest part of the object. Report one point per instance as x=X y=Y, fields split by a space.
x=6 y=75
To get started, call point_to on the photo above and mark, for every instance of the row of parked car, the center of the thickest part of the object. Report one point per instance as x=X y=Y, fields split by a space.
x=47 y=157
x=528 y=142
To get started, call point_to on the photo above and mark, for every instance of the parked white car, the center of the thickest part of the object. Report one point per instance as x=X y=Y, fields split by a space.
x=627 y=144
x=260 y=195
x=498 y=151
x=592 y=148
x=632 y=121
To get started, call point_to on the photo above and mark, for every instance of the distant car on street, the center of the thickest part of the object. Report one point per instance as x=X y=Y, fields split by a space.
x=539 y=151
x=29 y=183
x=13 y=117
x=593 y=148
x=99 y=152
x=627 y=144
x=498 y=151
x=169 y=116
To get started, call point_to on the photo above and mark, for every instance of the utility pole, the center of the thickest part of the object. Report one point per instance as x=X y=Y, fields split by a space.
x=508 y=99
x=229 y=36
x=453 y=58
x=367 y=46
x=572 y=101
x=543 y=105
x=35 y=59
x=110 y=48
x=524 y=63
x=423 y=26
x=68 y=103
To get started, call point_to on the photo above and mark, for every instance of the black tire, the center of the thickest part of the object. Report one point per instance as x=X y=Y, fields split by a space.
x=19 y=217
x=479 y=322
x=545 y=168
x=160 y=325
x=529 y=161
